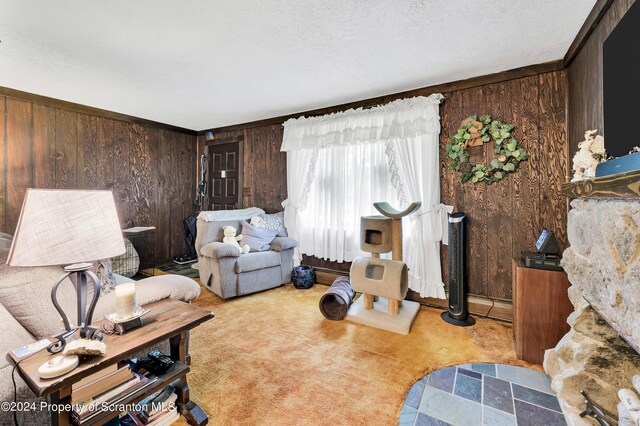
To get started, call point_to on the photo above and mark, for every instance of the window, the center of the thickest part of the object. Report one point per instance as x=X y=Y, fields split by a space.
x=348 y=180
x=339 y=164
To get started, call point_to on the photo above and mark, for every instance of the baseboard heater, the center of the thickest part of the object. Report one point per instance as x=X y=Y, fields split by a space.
x=457 y=312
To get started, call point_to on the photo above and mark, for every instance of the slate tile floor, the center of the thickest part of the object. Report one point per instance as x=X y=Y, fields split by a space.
x=482 y=395
x=173 y=268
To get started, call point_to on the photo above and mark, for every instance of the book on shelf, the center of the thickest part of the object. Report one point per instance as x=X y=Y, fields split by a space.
x=157 y=409
x=99 y=383
x=167 y=418
x=85 y=411
x=163 y=418
x=94 y=377
x=107 y=396
x=152 y=405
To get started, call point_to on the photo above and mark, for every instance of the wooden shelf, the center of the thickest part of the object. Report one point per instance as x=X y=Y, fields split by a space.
x=167 y=318
x=623 y=186
x=177 y=371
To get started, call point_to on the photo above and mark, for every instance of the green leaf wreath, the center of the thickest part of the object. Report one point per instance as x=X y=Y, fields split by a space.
x=475 y=132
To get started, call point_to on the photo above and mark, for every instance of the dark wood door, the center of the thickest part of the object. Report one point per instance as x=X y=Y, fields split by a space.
x=224 y=172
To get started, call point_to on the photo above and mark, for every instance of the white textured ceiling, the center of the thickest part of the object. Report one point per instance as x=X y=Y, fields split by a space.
x=202 y=63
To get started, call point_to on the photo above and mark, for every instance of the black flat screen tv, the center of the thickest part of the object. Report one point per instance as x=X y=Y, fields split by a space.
x=621 y=85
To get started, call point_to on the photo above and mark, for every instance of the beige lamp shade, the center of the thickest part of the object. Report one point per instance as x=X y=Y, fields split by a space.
x=61 y=227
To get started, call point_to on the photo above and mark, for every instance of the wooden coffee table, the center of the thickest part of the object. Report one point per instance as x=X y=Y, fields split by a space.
x=167 y=319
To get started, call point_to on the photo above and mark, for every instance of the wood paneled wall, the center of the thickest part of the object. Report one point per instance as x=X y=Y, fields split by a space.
x=504 y=218
x=586 y=102
x=149 y=168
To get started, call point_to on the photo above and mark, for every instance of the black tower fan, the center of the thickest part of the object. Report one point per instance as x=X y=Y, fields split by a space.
x=457 y=314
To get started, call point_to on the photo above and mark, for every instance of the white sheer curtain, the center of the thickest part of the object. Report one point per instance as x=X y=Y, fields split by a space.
x=301 y=165
x=339 y=164
x=348 y=180
x=414 y=167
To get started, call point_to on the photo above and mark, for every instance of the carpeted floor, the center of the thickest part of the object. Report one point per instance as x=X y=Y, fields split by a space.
x=272 y=359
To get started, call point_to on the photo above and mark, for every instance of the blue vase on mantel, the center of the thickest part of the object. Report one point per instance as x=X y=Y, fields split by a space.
x=626 y=163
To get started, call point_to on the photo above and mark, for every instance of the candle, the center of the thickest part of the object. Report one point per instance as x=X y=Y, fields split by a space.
x=125 y=300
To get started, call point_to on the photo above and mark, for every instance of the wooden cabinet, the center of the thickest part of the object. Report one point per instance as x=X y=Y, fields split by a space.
x=540 y=309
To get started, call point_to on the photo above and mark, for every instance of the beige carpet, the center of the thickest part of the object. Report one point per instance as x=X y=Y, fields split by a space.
x=272 y=359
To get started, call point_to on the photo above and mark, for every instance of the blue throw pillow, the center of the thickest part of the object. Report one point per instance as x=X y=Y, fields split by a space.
x=258 y=239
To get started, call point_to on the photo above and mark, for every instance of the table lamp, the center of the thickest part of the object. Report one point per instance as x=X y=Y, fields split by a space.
x=68 y=227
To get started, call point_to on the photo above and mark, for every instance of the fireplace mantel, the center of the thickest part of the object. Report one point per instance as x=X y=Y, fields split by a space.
x=623 y=186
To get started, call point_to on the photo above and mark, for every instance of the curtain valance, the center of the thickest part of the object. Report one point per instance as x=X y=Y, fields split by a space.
x=404 y=118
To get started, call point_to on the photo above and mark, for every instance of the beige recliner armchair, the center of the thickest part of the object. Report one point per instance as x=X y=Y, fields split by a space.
x=225 y=271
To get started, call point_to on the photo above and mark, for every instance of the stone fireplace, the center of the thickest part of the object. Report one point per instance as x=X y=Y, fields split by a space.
x=600 y=354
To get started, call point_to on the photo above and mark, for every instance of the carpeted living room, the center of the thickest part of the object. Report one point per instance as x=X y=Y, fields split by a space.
x=329 y=213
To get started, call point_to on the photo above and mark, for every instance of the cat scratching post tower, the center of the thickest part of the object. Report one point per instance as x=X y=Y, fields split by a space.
x=382 y=282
